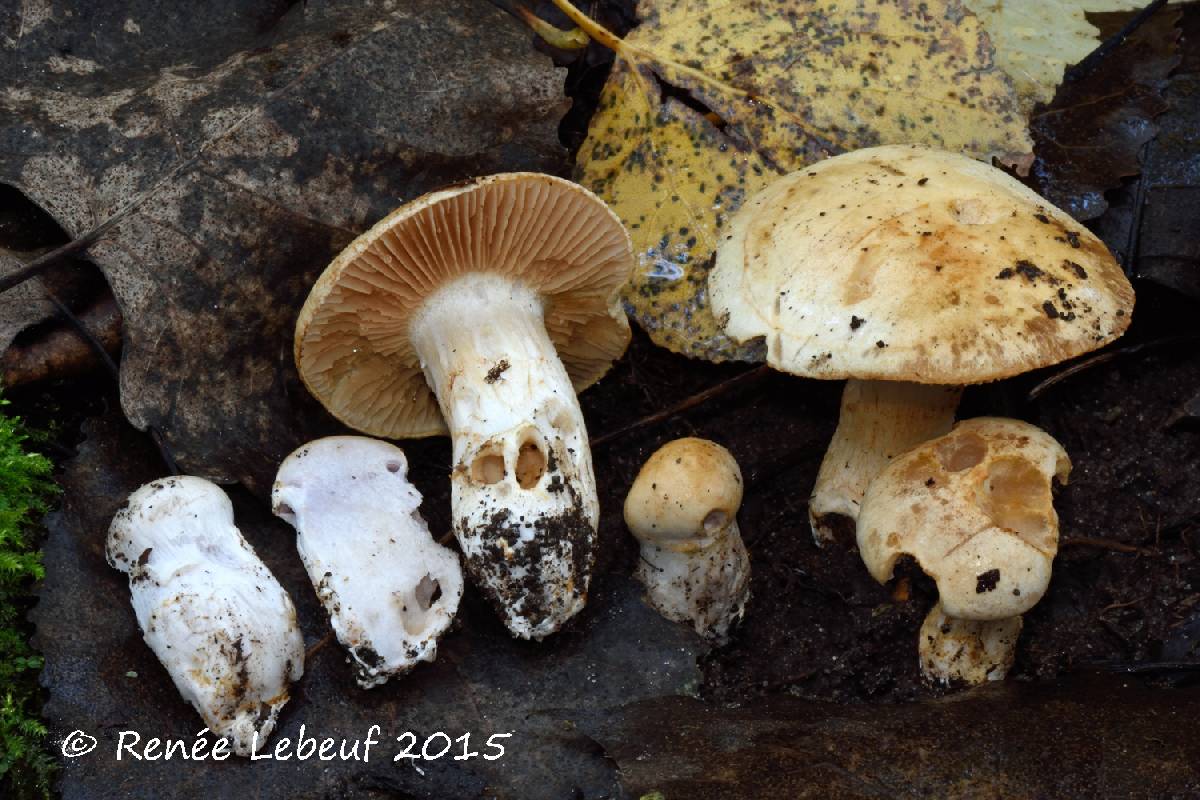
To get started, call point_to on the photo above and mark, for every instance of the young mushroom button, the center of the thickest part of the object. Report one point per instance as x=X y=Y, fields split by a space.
x=683 y=509
x=911 y=272
x=482 y=308
x=975 y=509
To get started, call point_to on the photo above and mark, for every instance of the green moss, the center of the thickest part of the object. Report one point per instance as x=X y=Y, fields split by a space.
x=25 y=487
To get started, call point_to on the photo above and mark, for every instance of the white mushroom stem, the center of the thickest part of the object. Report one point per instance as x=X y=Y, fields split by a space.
x=967 y=651
x=878 y=421
x=705 y=582
x=523 y=493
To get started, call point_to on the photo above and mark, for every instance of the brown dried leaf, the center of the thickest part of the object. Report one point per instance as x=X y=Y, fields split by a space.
x=229 y=153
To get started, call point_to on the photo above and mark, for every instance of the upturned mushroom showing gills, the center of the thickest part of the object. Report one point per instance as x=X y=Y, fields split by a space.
x=911 y=272
x=210 y=610
x=389 y=588
x=484 y=308
x=974 y=508
x=682 y=508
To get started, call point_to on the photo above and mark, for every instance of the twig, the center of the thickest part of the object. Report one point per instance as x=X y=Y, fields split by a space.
x=1089 y=63
x=748 y=376
x=1143 y=667
x=316 y=648
x=1126 y=604
x=42 y=262
x=1103 y=544
x=76 y=323
x=1106 y=356
x=115 y=371
x=1133 y=242
x=62 y=350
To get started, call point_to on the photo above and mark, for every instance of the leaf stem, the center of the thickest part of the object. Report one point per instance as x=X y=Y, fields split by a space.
x=589 y=26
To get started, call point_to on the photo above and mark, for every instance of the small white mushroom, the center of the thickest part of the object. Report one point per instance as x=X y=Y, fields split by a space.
x=208 y=607
x=389 y=588
x=683 y=509
x=975 y=509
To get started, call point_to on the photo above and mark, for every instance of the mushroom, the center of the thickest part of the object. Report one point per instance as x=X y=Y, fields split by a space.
x=208 y=607
x=465 y=300
x=911 y=272
x=389 y=588
x=966 y=651
x=974 y=508
x=682 y=508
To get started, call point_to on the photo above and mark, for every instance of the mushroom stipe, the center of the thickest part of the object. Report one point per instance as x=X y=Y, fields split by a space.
x=482 y=309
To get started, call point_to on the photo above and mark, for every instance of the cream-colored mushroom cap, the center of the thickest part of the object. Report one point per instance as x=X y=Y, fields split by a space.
x=904 y=263
x=689 y=489
x=974 y=508
x=352 y=343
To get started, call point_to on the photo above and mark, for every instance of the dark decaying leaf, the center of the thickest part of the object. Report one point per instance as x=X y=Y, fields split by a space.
x=1153 y=221
x=239 y=146
x=1104 y=737
x=1091 y=135
x=1169 y=236
x=103 y=679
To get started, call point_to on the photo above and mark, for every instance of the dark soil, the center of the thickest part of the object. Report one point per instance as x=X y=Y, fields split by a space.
x=1127 y=579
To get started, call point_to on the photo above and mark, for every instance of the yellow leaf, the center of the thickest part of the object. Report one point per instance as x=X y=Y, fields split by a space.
x=789 y=82
x=1037 y=39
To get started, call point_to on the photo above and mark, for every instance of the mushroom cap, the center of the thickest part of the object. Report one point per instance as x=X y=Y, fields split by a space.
x=975 y=509
x=352 y=343
x=685 y=494
x=905 y=263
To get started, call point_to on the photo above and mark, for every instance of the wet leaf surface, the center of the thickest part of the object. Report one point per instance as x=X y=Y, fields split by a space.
x=707 y=102
x=1092 y=134
x=232 y=149
x=1151 y=225
x=103 y=679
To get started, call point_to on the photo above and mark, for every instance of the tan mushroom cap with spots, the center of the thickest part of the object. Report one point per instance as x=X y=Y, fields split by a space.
x=905 y=263
x=689 y=490
x=975 y=509
x=352 y=343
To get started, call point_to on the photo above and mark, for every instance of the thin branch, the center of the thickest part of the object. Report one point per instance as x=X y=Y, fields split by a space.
x=115 y=372
x=316 y=648
x=749 y=376
x=45 y=260
x=1104 y=544
x=1093 y=59
x=1105 y=357
x=77 y=324
x=1126 y=604
x=1135 y=668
